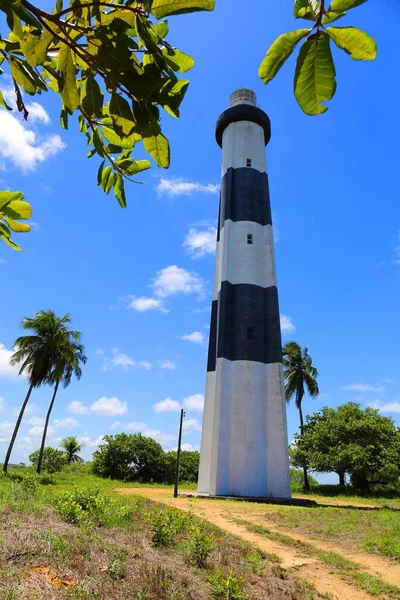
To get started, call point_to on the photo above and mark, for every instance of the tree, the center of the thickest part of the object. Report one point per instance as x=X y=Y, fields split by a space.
x=72 y=447
x=348 y=439
x=129 y=457
x=67 y=358
x=110 y=63
x=188 y=466
x=299 y=375
x=38 y=353
x=53 y=460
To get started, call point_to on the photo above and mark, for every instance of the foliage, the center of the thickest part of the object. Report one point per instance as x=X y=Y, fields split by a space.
x=109 y=63
x=52 y=462
x=300 y=375
x=352 y=440
x=13 y=209
x=188 y=466
x=297 y=479
x=229 y=587
x=83 y=505
x=50 y=353
x=166 y=524
x=72 y=447
x=130 y=457
x=117 y=564
x=315 y=74
x=201 y=544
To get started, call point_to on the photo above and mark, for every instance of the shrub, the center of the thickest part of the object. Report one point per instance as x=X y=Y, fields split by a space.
x=53 y=460
x=163 y=532
x=201 y=545
x=117 y=564
x=69 y=510
x=83 y=505
x=46 y=480
x=230 y=587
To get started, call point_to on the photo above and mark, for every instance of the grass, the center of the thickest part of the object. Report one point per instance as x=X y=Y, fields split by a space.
x=63 y=539
x=349 y=570
x=372 y=531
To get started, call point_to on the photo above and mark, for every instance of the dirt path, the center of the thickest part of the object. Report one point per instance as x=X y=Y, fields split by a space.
x=222 y=513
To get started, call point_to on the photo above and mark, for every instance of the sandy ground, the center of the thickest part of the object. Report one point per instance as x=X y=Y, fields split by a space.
x=222 y=513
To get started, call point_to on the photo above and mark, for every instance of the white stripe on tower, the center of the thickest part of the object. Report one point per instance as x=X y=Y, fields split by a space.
x=244 y=442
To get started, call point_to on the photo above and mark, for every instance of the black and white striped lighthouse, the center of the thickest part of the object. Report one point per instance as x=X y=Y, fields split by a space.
x=244 y=446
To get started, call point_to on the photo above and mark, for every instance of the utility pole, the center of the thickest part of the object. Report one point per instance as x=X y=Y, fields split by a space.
x=178 y=456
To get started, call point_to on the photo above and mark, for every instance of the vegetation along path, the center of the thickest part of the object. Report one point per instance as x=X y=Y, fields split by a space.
x=333 y=546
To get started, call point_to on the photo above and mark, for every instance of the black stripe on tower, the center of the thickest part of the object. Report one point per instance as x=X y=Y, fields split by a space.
x=248 y=325
x=245 y=197
x=212 y=344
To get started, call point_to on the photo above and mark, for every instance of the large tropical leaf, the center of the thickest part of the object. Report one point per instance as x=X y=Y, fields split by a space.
x=303 y=9
x=355 y=42
x=163 y=8
x=158 y=148
x=279 y=52
x=340 y=5
x=314 y=80
x=68 y=89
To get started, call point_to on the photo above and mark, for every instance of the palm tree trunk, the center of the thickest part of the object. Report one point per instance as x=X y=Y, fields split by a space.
x=39 y=464
x=16 y=428
x=305 y=474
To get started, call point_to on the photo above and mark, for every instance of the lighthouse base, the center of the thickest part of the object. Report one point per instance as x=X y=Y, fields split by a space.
x=282 y=501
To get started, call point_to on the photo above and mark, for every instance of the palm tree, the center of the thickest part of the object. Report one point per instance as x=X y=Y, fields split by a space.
x=72 y=447
x=299 y=375
x=36 y=352
x=66 y=362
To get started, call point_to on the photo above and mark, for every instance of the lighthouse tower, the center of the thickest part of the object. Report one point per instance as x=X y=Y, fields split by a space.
x=244 y=447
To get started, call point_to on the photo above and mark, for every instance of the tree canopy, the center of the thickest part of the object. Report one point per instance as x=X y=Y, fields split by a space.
x=112 y=66
x=53 y=460
x=350 y=440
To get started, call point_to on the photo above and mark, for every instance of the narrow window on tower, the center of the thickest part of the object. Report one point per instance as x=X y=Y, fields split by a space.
x=249 y=238
x=248 y=162
x=250 y=334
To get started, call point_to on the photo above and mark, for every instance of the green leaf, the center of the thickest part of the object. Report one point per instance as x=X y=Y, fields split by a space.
x=105 y=175
x=68 y=88
x=121 y=115
x=303 y=10
x=22 y=76
x=100 y=172
x=172 y=94
x=119 y=191
x=3 y=102
x=355 y=42
x=126 y=142
x=17 y=209
x=35 y=47
x=4 y=231
x=158 y=148
x=17 y=227
x=279 y=52
x=24 y=14
x=110 y=182
x=92 y=97
x=64 y=118
x=177 y=60
x=131 y=166
x=163 y=8
x=314 y=80
x=12 y=244
x=161 y=28
x=6 y=197
x=341 y=5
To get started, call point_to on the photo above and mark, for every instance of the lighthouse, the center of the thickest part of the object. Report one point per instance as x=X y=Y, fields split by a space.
x=244 y=446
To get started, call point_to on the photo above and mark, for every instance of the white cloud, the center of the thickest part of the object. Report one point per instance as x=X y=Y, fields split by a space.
x=6 y=428
x=89 y=443
x=6 y=370
x=19 y=144
x=167 y=405
x=187 y=447
x=199 y=243
x=78 y=408
x=194 y=402
x=37 y=431
x=35 y=421
x=190 y=425
x=115 y=425
x=287 y=325
x=205 y=309
x=181 y=187
x=136 y=426
x=175 y=280
x=108 y=407
x=66 y=423
x=99 y=352
x=37 y=113
x=143 y=304
x=386 y=407
x=103 y=406
x=197 y=337
x=119 y=359
x=159 y=436
x=145 y=365
x=363 y=387
x=122 y=360
x=167 y=365
x=1 y=405
x=28 y=410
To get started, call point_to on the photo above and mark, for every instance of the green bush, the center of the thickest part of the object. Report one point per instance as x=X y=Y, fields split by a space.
x=83 y=505
x=53 y=460
x=201 y=544
x=229 y=587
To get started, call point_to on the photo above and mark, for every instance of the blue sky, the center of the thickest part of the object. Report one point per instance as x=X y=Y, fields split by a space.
x=138 y=282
